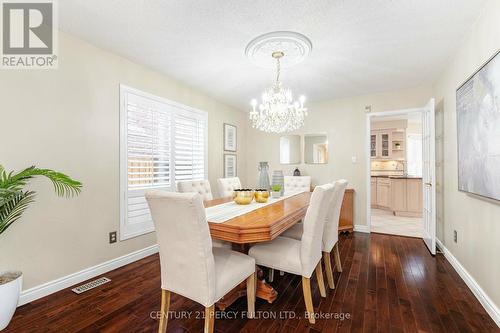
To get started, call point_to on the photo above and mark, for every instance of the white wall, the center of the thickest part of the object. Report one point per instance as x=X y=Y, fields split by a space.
x=344 y=121
x=68 y=119
x=476 y=220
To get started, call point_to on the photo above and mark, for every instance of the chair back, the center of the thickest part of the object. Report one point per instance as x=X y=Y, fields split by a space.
x=186 y=258
x=228 y=185
x=295 y=184
x=331 y=232
x=202 y=187
x=314 y=222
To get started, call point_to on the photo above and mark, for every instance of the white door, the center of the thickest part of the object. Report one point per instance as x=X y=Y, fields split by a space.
x=429 y=176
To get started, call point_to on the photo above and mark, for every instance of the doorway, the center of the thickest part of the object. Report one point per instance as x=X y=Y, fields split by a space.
x=401 y=172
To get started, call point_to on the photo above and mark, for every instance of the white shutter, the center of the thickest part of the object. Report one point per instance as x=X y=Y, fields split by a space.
x=189 y=142
x=161 y=142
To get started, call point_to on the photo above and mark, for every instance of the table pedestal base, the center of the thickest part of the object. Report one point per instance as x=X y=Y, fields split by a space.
x=264 y=290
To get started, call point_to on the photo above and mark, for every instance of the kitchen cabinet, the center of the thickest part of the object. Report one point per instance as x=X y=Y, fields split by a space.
x=373 y=191
x=401 y=195
x=385 y=144
x=414 y=193
x=380 y=144
x=383 y=193
x=406 y=196
x=388 y=144
x=398 y=188
x=373 y=145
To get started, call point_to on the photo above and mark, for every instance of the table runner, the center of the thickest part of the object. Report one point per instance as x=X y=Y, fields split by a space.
x=226 y=211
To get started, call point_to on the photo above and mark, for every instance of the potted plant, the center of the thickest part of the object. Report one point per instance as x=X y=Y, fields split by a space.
x=276 y=191
x=14 y=200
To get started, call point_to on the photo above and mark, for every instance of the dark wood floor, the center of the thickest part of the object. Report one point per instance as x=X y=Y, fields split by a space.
x=389 y=284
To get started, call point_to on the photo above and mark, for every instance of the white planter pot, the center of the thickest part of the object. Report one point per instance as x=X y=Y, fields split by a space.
x=9 y=294
x=275 y=194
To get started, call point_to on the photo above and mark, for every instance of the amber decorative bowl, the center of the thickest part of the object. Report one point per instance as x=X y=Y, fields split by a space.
x=261 y=195
x=243 y=196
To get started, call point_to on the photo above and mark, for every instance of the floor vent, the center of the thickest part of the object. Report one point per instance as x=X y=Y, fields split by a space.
x=90 y=285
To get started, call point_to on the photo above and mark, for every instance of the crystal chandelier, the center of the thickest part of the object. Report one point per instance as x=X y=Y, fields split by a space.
x=278 y=112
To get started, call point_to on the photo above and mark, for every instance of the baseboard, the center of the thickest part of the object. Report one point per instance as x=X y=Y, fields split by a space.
x=362 y=228
x=51 y=287
x=482 y=297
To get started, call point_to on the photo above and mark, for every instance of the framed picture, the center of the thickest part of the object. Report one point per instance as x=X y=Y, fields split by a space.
x=478 y=131
x=230 y=137
x=230 y=165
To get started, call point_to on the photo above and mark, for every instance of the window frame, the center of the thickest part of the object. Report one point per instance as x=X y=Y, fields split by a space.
x=128 y=231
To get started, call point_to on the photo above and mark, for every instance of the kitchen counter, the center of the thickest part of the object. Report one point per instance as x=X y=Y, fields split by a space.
x=401 y=194
x=405 y=177
x=397 y=177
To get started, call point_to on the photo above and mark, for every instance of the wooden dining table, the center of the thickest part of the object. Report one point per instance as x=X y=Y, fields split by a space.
x=260 y=225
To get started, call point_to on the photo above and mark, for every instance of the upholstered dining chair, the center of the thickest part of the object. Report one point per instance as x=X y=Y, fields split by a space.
x=202 y=187
x=190 y=267
x=331 y=231
x=228 y=185
x=295 y=184
x=300 y=257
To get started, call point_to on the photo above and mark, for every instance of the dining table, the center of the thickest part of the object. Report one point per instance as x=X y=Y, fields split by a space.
x=243 y=226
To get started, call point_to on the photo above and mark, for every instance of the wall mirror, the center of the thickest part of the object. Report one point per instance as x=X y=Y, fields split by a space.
x=290 y=149
x=316 y=149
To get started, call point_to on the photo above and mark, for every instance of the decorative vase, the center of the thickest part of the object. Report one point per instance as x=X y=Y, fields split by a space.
x=10 y=288
x=264 y=176
x=296 y=172
x=278 y=179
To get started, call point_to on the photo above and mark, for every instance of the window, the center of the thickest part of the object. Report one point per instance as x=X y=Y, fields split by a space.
x=161 y=142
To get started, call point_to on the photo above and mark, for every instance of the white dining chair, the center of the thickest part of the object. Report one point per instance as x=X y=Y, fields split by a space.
x=296 y=184
x=202 y=187
x=228 y=185
x=300 y=257
x=190 y=267
x=331 y=231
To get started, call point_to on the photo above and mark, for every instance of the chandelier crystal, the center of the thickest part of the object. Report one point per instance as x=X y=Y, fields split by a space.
x=278 y=112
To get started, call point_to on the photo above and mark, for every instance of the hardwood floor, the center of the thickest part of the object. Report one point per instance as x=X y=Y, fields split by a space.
x=388 y=283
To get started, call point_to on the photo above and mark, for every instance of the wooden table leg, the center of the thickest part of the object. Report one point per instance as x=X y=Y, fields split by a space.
x=264 y=290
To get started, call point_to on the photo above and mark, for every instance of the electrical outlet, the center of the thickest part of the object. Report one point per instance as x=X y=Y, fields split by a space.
x=455 y=236
x=112 y=237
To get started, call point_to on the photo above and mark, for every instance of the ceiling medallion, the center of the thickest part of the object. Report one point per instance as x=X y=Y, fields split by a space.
x=295 y=46
x=278 y=112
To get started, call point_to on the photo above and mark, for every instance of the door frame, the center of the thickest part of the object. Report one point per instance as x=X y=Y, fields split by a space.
x=369 y=116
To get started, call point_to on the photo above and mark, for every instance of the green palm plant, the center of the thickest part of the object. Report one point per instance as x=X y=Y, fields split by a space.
x=14 y=200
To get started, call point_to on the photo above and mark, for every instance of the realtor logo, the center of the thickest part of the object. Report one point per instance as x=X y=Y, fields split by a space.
x=28 y=34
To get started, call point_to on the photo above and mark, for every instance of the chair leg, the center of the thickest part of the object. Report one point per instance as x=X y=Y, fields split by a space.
x=165 y=305
x=251 y=295
x=336 y=255
x=321 y=282
x=306 y=288
x=271 y=275
x=328 y=269
x=209 y=319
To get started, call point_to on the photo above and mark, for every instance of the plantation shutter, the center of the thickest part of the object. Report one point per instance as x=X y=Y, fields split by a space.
x=190 y=144
x=162 y=142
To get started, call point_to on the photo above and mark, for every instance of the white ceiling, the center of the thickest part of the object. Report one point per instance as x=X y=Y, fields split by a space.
x=359 y=46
